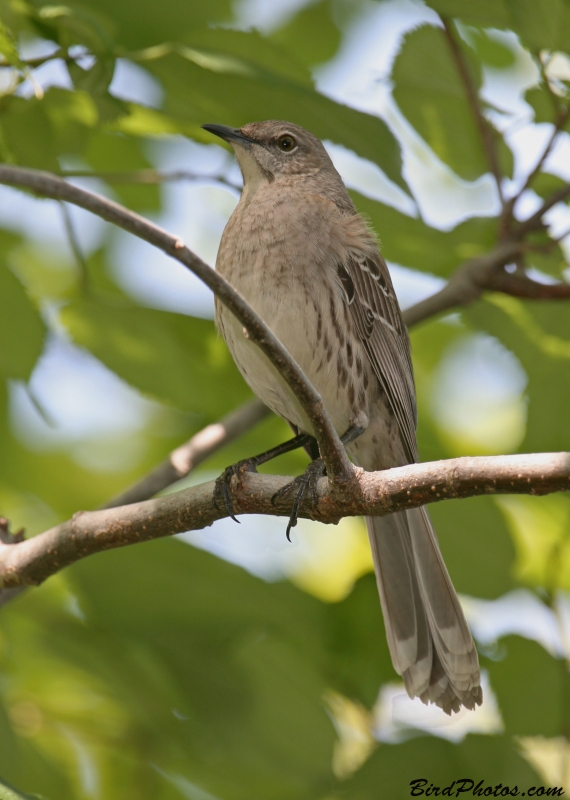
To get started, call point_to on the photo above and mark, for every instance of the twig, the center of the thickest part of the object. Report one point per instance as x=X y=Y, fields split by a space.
x=338 y=466
x=149 y=177
x=535 y=222
x=562 y=118
x=376 y=493
x=187 y=457
x=466 y=285
x=487 y=137
x=74 y=243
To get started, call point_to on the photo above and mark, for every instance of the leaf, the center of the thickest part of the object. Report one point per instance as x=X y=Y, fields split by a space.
x=537 y=333
x=27 y=134
x=196 y=94
x=541 y=103
x=490 y=759
x=250 y=48
x=476 y=546
x=490 y=50
x=8 y=47
x=154 y=23
x=298 y=35
x=430 y=93
x=541 y=24
x=174 y=358
x=216 y=671
x=531 y=686
x=484 y=13
x=408 y=241
x=109 y=152
x=22 y=331
x=358 y=659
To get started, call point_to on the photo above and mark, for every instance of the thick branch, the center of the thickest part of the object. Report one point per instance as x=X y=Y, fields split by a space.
x=466 y=285
x=189 y=455
x=339 y=467
x=377 y=493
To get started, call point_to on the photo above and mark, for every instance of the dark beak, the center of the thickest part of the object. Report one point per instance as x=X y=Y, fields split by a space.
x=228 y=134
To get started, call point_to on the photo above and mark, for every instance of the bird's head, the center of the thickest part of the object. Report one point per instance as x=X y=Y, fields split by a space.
x=272 y=150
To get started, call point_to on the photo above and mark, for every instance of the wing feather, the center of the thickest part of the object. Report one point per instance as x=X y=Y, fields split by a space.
x=374 y=308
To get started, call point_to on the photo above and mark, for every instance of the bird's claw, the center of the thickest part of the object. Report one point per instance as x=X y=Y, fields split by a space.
x=222 y=488
x=307 y=482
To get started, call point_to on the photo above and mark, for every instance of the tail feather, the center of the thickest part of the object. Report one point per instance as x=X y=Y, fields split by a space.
x=429 y=640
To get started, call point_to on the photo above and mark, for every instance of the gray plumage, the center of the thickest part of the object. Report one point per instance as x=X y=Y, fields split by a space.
x=300 y=254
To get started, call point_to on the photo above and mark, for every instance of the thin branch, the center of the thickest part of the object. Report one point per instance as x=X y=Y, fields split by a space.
x=561 y=120
x=372 y=493
x=466 y=285
x=188 y=456
x=485 y=131
x=149 y=177
x=74 y=243
x=534 y=222
x=338 y=466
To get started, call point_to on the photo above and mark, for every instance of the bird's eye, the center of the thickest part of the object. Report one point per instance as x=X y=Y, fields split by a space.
x=286 y=143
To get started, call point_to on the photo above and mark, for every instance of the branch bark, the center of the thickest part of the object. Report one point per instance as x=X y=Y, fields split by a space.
x=338 y=465
x=32 y=561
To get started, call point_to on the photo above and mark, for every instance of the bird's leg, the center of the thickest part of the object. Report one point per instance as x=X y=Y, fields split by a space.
x=222 y=489
x=309 y=479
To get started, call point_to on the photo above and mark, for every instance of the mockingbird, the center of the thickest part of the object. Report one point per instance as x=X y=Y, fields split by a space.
x=304 y=259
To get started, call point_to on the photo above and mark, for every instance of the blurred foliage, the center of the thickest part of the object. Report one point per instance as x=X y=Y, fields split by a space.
x=162 y=671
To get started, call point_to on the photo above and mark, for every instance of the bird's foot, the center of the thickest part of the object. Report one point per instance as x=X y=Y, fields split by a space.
x=305 y=484
x=223 y=486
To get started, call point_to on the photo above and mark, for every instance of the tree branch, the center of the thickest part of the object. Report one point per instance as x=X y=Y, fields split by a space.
x=562 y=118
x=534 y=222
x=339 y=468
x=149 y=177
x=31 y=562
x=467 y=283
x=485 y=131
x=188 y=456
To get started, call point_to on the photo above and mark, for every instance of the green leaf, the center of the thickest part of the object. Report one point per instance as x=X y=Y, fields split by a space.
x=216 y=672
x=430 y=93
x=541 y=24
x=537 y=333
x=476 y=546
x=542 y=104
x=8 y=792
x=21 y=328
x=109 y=152
x=171 y=357
x=249 y=48
x=484 y=13
x=490 y=759
x=408 y=241
x=196 y=94
x=27 y=135
x=8 y=47
x=531 y=687
x=491 y=51
x=358 y=657
x=298 y=35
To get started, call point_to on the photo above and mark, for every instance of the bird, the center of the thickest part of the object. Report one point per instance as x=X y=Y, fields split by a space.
x=309 y=264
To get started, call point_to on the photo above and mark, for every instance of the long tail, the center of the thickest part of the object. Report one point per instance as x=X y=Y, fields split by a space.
x=430 y=643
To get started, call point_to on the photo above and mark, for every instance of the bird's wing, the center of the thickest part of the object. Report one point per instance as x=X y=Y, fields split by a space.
x=374 y=308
